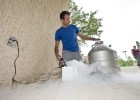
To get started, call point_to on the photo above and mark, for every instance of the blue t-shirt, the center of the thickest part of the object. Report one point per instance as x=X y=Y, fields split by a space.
x=68 y=36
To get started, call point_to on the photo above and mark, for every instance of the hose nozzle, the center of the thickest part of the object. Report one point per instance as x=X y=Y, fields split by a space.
x=62 y=63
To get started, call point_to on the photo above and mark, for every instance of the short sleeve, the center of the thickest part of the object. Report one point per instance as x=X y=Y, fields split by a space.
x=57 y=36
x=77 y=30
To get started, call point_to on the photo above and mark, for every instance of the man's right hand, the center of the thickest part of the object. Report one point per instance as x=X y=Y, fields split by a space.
x=58 y=57
x=96 y=39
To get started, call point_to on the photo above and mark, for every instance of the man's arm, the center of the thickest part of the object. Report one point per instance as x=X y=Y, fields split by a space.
x=86 y=37
x=56 y=50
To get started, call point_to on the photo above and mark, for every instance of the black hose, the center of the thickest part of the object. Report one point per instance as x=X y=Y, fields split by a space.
x=14 y=82
x=13 y=78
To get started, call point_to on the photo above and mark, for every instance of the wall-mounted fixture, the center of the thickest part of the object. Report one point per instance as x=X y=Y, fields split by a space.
x=12 y=42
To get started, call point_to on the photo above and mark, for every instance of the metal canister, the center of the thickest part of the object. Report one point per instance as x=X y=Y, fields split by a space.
x=104 y=55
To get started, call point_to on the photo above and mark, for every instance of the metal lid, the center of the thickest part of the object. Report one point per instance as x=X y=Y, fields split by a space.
x=99 y=46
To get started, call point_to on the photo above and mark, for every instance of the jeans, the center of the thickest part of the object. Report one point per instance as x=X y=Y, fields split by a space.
x=138 y=59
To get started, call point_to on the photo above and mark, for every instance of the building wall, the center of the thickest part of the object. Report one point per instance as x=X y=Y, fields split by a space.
x=33 y=23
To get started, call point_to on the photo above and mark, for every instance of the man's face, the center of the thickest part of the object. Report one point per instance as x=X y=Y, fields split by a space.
x=66 y=21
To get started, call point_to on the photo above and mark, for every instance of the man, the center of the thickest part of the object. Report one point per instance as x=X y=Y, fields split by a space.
x=136 y=54
x=68 y=33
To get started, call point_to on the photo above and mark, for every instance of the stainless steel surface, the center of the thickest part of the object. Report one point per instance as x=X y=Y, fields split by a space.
x=104 y=55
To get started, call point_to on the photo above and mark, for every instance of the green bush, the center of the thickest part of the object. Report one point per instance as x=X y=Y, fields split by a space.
x=124 y=63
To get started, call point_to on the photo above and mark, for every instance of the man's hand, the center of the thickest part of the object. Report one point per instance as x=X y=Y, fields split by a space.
x=58 y=57
x=96 y=39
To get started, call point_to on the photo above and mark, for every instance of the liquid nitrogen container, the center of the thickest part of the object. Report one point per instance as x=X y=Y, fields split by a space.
x=105 y=57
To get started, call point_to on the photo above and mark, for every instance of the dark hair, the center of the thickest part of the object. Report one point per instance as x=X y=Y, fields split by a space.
x=63 y=13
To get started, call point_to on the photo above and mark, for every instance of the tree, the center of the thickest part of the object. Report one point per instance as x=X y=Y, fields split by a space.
x=138 y=44
x=87 y=23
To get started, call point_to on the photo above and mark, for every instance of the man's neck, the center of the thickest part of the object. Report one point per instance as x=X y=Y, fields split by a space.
x=65 y=25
